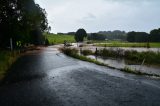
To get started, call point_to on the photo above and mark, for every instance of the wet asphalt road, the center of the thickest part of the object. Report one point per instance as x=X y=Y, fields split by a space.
x=49 y=78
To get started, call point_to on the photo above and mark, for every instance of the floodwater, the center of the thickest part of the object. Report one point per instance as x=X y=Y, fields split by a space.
x=122 y=63
x=138 y=49
x=47 y=77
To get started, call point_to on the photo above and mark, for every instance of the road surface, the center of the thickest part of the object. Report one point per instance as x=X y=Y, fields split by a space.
x=49 y=78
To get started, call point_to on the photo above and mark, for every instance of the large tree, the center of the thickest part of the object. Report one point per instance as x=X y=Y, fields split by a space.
x=137 y=37
x=80 y=35
x=155 y=35
x=19 y=20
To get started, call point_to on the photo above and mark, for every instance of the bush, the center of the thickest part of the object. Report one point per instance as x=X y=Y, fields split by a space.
x=69 y=51
x=87 y=52
x=7 y=58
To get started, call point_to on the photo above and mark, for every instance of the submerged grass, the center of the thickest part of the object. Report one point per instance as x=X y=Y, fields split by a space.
x=124 y=44
x=150 y=57
x=74 y=53
x=128 y=70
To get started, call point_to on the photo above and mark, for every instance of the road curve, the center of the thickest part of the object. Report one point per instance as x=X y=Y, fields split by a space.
x=49 y=78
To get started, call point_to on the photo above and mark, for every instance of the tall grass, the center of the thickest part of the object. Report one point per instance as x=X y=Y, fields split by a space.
x=86 y=52
x=6 y=60
x=124 y=44
x=149 y=56
x=74 y=53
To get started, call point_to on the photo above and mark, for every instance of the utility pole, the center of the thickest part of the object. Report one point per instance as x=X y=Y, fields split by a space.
x=11 y=44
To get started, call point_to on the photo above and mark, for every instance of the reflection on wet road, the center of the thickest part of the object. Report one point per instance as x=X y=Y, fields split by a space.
x=49 y=78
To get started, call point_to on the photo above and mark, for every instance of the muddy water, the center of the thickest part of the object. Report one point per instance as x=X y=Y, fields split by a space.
x=122 y=63
x=138 y=49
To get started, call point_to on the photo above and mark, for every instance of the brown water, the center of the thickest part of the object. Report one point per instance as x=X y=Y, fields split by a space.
x=122 y=63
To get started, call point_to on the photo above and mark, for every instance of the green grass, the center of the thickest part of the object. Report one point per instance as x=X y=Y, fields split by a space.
x=128 y=70
x=87 y=52
x=74 y=53
x=124 y=44
x=59 y=39
x=6 y=60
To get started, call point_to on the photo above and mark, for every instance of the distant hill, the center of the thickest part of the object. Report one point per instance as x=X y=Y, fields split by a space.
x=108 y=35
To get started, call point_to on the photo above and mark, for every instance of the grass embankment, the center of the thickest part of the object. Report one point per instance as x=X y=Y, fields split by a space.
x=74 y=53
x=124 y=44
x=7 y=58
x=59 y=39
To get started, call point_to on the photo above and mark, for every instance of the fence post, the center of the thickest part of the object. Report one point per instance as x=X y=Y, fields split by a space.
x=11 y=44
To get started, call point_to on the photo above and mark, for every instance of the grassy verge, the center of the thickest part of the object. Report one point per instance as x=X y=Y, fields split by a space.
x=59 y=39
x=7 y=58
x=123 y=44
x=128 y=70
x=74 y=53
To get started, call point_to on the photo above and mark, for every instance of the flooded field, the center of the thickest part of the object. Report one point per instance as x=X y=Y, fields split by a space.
x=122 y=63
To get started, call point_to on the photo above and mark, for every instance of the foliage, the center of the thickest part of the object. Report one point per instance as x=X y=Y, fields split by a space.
x=124 y=44
x=87 y=52
x=154 y=36
x=149 y=56
x=46 y=42
x=137 y=37
x=108 y=35
x=21 y=20
x=69 y=51
x=74 y=53
x=6 y=60
x=128 y=70
x=80 y=35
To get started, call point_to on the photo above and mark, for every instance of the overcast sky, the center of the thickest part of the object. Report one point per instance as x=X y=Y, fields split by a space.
x=102 y=15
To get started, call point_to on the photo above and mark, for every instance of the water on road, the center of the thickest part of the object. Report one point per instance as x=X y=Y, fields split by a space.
x=49 y=78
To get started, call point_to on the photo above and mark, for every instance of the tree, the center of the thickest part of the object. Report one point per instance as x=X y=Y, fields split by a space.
x=137 y=37
x=155 y=35
x=46 y=42
x=19 y=20
x=80 y=35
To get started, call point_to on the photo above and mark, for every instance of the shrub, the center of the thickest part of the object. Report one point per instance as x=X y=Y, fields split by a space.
x=87 y=52
x=69 y=51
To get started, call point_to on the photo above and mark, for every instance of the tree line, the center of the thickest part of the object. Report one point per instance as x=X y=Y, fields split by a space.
x=22 y=20
x=153 y=36
x=108 y=35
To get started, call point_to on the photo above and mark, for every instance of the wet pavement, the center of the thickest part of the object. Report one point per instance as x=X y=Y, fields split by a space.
x=49 y=78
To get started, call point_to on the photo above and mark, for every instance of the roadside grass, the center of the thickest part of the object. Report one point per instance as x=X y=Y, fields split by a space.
x=128 y=70
x=7 y=58
x=124 y=44
x=59 y=39
x=72 y=52
x=87 y=52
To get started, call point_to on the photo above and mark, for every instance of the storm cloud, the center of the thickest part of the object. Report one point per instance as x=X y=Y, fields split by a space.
x=97 y=15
